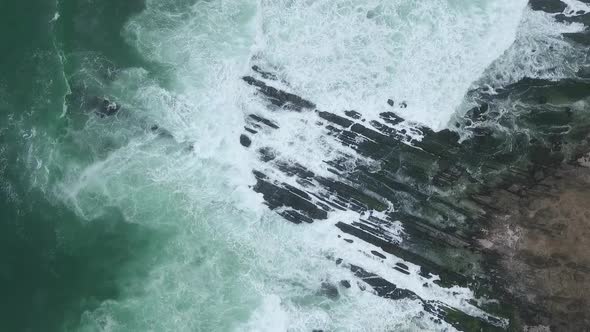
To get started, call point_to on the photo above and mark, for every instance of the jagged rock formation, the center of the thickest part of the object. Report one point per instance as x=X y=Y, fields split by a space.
x=430 y=220
x=457 y=198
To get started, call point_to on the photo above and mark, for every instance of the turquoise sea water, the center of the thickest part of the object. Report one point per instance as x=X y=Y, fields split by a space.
x=145 y=221
x=46 y=279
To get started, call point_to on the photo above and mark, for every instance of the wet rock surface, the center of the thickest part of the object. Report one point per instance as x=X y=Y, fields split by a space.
x=493 y=205
x=540 y=238
x=445 y=227
x=549 y=6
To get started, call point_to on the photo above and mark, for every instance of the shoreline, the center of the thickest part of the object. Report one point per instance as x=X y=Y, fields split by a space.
x=537 y=246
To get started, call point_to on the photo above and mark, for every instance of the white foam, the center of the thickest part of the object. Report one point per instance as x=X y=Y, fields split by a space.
x=356 y=55
x=539 y=51
x=55 y=17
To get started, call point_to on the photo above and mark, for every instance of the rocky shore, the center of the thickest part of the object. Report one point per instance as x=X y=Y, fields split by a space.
x=498 y=204
x=509 y=224
x=538 y=242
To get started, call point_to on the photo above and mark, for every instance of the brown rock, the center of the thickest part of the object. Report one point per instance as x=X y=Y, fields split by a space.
x=542 y=237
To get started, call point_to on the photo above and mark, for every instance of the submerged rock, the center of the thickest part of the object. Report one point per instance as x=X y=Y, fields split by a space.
x=329 y=290
x=106 y=107
x=378 y=254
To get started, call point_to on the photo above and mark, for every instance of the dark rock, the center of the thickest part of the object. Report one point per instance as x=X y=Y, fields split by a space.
x=280 y=98
x=341 y=121
x=378 y=254
x=267 y=154
x=548 y=6
x=538 y=175
x=345 y=283
x=381 y=286
x=391 y=118
x=389 y=290
x=402 y=265
x=579 y=17
x=579 y=37
x=295 y=216
x=545 y=270
x=448 y=277
x=294 y=169
x=264 y=121
x=390 y=102
x=353 y=114
x=421 y=181
x=355 y=197
x=245 y=140
x=280 y=195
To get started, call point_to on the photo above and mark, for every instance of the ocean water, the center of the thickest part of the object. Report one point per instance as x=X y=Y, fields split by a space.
x=146 y=220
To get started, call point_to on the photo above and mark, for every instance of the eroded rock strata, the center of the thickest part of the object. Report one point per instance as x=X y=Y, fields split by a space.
x=450 y=204
x=495 y=205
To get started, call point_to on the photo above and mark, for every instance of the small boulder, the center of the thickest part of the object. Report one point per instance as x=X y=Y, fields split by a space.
x=245 y=140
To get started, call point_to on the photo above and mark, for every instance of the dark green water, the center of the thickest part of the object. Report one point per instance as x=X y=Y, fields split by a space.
x=53 y=265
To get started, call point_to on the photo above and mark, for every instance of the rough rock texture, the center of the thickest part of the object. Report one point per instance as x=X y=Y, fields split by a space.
x=493 y=204
x=445 y=190
x=541 y=240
